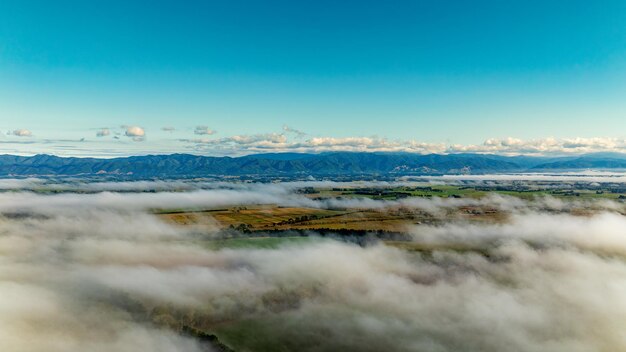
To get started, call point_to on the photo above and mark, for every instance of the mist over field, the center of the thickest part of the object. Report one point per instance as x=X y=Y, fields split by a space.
x=312 y=176
x=100 y=272
x=207 y=194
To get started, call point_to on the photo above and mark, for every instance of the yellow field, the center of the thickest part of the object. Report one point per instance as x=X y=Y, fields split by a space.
x=268 y=217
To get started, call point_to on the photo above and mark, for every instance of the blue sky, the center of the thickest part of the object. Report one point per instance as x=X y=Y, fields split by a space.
x=353 y=75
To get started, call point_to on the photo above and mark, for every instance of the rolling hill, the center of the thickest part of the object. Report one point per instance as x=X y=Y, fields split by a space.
x=340 y=163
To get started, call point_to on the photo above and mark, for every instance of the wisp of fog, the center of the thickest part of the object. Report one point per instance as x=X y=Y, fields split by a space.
x=99 y=272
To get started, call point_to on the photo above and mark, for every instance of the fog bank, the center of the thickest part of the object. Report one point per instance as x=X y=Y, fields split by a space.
x=99 y=273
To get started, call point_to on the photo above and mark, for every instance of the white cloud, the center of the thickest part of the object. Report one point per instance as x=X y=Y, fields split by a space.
x=203 y=130
x=293 y=140
x=280 y=142
x=544 y=146
x=137 y=133
x=21 y=132
x=260 y=139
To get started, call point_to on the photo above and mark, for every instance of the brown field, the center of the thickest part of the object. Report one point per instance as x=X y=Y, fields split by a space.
x=269 y=217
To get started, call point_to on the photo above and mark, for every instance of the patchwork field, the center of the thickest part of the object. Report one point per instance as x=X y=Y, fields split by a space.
x=397 y=216
x=275 y=218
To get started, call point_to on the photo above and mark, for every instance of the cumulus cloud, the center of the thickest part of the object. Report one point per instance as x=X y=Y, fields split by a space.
x=293 y=140
x=135 y=132
x=21 y=132
x=544 y=146
x=280 y=142
x=238 y=143
x=85 y=278
x=203 y=130
x=103 y=132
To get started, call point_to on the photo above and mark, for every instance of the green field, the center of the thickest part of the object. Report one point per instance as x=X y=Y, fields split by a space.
x=258 y=242
x=446 y=191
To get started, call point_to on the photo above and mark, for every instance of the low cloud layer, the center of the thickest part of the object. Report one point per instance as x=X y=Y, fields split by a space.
x=103 y=276
x=589 y=176
x=49 y=301
x=145 y=195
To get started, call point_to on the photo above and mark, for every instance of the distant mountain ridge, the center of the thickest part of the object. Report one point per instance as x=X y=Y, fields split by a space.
x=339 y=163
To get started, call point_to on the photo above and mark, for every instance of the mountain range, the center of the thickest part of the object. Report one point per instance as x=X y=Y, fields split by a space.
x=339 y=163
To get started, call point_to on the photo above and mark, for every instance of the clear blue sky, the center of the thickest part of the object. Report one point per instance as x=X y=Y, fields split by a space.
x=430 y=71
